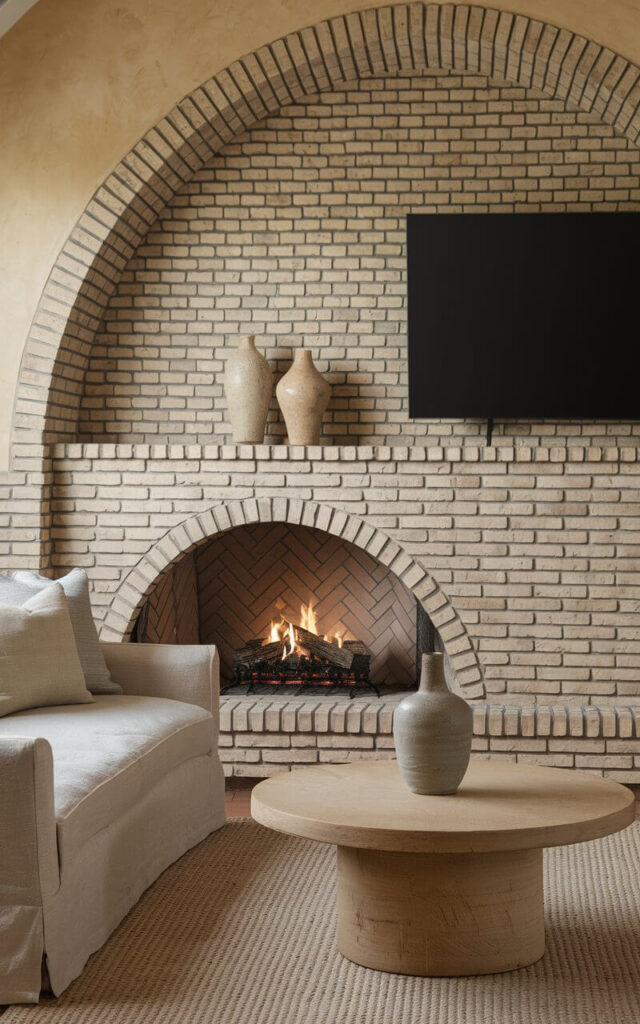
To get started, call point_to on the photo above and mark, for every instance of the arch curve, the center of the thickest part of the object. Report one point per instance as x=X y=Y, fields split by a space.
x=221 y=518
x=405 y=37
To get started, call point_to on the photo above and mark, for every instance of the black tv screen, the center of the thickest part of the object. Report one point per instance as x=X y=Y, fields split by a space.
x=523 y=315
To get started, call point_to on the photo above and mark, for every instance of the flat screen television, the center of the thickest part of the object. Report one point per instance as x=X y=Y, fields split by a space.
x=524 y=316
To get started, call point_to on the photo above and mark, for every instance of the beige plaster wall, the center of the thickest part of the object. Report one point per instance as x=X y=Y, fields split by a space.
x=82 y=80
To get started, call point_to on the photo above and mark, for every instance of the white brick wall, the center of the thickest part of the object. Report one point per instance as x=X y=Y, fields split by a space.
x=296 y=232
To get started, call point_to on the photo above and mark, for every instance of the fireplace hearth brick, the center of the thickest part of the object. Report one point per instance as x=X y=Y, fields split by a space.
x=294 y=732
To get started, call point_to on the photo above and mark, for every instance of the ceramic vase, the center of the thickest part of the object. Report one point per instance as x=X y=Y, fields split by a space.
x=303 y=395
x=432 y=729
x=247 y=388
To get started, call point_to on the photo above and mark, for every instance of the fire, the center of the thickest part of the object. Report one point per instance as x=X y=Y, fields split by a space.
x=290 y=639
x=308 y=619
x=284 y=632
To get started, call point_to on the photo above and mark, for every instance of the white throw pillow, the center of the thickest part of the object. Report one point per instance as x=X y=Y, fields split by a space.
x=39 y=663
x=21 y=585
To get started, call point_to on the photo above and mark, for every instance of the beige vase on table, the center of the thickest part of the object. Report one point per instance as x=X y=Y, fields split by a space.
x=432 y=729
x=303 y=396
x=248 y=381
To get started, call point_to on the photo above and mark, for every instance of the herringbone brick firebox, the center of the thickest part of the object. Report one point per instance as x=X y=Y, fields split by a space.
x=233 y=588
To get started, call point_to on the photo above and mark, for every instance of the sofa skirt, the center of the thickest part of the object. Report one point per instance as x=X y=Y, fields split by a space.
x=114 y=868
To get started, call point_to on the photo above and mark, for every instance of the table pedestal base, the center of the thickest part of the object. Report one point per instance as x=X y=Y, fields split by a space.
x=440 y=914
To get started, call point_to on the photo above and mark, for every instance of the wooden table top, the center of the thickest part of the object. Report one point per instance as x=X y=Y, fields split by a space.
x=499 y=806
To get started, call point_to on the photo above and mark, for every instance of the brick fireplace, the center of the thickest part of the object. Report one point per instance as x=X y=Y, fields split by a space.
x=273 y=201
x=253 y=583
x=539 y=628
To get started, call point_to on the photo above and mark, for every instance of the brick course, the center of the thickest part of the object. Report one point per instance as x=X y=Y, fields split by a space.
x=508 y=732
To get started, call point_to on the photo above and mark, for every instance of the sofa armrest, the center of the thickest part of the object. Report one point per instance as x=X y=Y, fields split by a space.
x=190 y=672
x=29 y=871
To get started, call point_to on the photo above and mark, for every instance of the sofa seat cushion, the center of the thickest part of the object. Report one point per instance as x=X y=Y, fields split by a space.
x=107 y=755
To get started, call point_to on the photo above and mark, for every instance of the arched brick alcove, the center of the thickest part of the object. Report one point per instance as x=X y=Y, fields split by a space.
x=390 y=39
x=200 y=528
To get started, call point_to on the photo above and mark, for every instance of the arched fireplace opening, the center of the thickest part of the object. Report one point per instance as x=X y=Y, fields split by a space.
x=292 y=609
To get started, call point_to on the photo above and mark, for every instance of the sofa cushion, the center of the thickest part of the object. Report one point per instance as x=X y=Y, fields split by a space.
x=39 y=663
x=107 y=755
x=21 y=585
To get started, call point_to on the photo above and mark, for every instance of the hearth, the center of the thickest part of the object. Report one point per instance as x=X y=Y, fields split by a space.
x=297 y=655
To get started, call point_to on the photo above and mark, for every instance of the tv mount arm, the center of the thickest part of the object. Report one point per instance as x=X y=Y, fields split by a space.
x=489 y=429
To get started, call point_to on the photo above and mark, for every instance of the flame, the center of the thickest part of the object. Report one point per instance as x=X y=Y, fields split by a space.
x=308 y=618
x=336 y=639
x=284 y=631
x=290 y=639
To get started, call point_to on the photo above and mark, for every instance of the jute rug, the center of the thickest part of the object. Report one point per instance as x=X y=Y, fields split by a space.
x=240 y=931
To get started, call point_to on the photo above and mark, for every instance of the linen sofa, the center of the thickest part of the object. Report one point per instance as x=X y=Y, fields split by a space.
x=96 y=800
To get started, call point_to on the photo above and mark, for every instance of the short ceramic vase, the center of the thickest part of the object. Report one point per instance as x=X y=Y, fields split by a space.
x=303 y=396
x=247 y=387
x=432 y=729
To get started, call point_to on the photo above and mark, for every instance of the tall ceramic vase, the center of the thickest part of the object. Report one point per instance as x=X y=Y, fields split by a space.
x=303 y=395
x=247 y=387
x=432 y=729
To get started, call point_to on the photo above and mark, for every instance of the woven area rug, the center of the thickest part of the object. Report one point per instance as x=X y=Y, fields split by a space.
x=241 y=931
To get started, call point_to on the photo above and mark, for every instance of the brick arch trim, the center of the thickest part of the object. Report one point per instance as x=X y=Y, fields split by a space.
x=198 y=529
x=407 y=37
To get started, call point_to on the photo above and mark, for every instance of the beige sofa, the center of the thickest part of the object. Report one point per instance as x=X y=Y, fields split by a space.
x=96 y=800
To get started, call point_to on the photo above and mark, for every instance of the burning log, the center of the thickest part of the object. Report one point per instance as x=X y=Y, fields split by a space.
x=320 y=648
x=356 y=646
x=253 y=652
x=361 y=658
x=297 y=655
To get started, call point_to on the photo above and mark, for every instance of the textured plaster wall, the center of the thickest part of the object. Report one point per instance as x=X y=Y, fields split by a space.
x=82 y=80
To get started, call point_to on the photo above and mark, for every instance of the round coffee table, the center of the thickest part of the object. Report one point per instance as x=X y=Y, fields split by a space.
x=442 y=885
